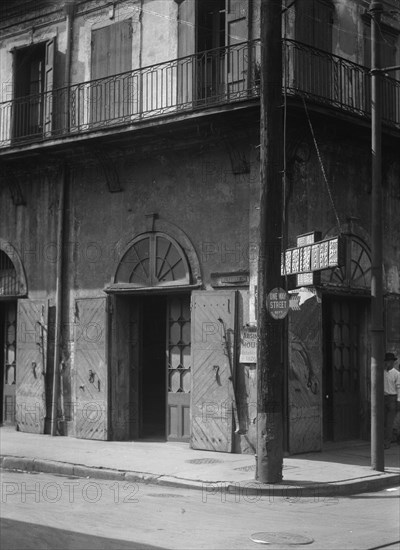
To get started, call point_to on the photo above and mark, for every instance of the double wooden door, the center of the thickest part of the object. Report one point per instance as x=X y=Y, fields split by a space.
x=172 y=368
x=151 y=367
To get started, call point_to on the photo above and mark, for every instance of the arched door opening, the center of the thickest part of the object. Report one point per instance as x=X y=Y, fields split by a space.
x=150 y=389
x=346 y=385
x=12 y=285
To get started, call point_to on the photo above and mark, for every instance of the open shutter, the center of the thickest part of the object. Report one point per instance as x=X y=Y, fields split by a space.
x=186 y=47
x=213 y=360
x=91 y=369
x=305 y=377
x=31 y=365
x=113 y=98
x=236 y=32
x=48 y=86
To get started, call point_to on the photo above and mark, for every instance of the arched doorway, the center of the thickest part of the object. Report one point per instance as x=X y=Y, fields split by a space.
x=151 y=340
x=346 y=388
x=12 y=286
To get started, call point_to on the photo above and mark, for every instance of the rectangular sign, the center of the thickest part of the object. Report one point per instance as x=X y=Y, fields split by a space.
x=313 y=257
x=248 y=346
x=309 y=278
x=309 y=238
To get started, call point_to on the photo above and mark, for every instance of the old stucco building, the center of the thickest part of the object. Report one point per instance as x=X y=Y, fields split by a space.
x=129 y=145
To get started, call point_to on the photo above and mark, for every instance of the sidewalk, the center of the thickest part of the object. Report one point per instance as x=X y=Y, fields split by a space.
x=341 y=469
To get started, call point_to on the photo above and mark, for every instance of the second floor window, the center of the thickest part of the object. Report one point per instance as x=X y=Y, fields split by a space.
x=33 y=83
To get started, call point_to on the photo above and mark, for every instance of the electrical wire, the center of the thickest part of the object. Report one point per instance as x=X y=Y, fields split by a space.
x=322 y=166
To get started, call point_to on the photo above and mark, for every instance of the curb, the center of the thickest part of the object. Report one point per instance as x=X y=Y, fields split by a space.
x=251 y=489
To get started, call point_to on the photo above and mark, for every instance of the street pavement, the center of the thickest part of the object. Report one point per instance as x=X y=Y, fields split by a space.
x=47 y=511
x=340 y=469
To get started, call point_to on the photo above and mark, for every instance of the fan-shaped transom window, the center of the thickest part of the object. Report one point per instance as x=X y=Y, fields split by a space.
x=154 y=259
x=356 y=272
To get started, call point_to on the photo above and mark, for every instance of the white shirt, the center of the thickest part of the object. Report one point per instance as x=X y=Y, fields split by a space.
x=391 y=382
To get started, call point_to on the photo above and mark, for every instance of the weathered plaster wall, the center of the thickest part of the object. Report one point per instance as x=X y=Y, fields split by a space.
x=194 y=191
x=160 y=31
x=347 y=42
x=31 y=230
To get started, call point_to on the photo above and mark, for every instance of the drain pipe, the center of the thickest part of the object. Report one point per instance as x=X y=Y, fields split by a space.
x=58 y=302
x=69 y=8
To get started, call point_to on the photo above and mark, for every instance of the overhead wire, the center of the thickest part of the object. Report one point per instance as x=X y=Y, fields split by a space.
x=322 y=166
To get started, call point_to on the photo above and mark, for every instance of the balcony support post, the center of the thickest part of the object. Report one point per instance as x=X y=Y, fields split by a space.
x=377 y=331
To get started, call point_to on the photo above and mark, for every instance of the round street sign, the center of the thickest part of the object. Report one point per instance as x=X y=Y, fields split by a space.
x=278 y=303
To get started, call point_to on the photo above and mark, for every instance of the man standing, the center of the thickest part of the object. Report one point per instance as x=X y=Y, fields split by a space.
x=391 y=387
x=396 y=424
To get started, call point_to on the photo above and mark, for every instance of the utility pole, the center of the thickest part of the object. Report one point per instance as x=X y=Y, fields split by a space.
x=270 y=331
x=377 y=332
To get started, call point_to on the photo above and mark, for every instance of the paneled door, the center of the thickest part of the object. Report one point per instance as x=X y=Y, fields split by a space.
x=8 y=336
x=178 y=368
x=31 y=365
x=213 y=345
x=342 y=376
x=91 y=370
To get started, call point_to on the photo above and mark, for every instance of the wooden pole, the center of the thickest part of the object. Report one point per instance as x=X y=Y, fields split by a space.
x=269 y=331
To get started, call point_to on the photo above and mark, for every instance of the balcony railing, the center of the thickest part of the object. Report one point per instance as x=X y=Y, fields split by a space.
x=330 y=80
x=195 y=82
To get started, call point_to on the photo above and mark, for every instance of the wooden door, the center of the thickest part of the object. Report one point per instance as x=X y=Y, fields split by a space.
x=91 y=369
x=237 y=56
x=31 y=365
x=178 y=368
x=342 y=384
x=125 y=352
x=210 y=45
x=48 y=86
x=213 y=366
x=305 y=376
x=114 y=97
x=8 y=337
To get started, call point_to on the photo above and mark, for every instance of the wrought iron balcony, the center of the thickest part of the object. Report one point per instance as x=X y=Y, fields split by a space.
x=196 y=82
x=333 y=81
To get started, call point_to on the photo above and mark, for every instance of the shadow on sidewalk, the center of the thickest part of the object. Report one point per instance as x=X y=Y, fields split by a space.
x=16 y=535
x=354 y=452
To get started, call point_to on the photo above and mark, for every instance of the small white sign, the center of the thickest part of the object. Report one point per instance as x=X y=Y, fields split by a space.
x=248 y=346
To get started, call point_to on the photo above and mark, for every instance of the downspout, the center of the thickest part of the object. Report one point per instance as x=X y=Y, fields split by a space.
x=58 y=302
x=69 y=11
